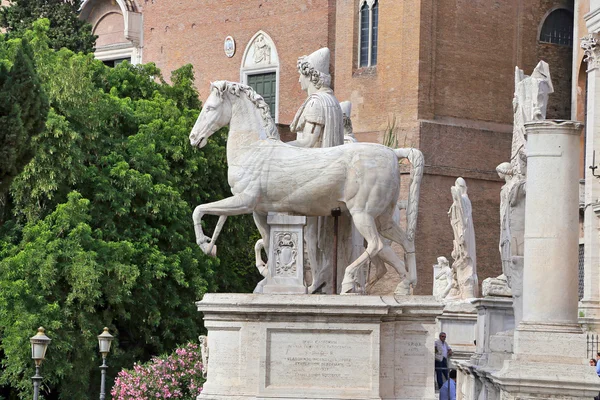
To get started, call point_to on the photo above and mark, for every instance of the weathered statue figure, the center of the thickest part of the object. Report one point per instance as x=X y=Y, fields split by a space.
x=529 y=104
x=320 y=123
x=348 y=130
x=464 y=249
x=443 y=278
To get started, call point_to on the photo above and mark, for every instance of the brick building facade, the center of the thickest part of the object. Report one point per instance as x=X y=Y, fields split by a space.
x=440 y=71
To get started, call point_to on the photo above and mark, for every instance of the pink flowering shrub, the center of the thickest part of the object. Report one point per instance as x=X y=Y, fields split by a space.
x=176 y=376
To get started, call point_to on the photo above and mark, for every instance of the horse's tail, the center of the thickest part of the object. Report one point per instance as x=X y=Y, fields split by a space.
x=416 y=174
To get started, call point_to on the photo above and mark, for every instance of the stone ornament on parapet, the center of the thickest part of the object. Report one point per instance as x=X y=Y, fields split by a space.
x=589 y=44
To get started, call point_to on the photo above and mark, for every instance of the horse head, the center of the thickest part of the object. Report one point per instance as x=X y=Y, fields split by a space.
x=235 y=104
x=215 y=114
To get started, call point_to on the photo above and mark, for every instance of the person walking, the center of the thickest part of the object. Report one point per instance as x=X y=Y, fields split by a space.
x=442 y=352
x=448 y=389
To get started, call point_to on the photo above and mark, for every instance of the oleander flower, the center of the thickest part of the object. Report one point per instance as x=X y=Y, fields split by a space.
x=174 y=376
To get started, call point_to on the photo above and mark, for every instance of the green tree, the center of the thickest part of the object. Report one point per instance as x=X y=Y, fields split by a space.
x=66 y=29
x=23 y=111
x=102 y=232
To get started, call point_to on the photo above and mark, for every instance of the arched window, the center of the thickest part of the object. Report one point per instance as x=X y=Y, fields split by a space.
x=368 y=22
x=558 y=28
x=260 y=70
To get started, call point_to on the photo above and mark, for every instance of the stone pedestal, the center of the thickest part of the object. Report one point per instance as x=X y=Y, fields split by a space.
x=494 y=315
x=549 y=348
x=319 y=347
x=286 y=254
x=495 y=322
x=459 y=321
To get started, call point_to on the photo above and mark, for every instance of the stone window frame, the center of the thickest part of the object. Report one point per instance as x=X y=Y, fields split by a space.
x=545 y=19
x=134 y=32
x=370 y=4
x=245 y=71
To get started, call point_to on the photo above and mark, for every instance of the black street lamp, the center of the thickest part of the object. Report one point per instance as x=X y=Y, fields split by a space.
x=39 y=345
x=104 y=341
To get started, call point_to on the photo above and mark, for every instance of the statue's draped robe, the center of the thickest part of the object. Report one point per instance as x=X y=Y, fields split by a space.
x=464 y=253
x=323 y=109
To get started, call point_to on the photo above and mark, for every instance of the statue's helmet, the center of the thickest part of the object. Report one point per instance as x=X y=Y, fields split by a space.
x=316 y=67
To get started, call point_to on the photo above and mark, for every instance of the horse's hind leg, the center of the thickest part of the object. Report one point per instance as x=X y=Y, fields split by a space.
x=380 y=271
x=365 y=224
x=388 y=255
x=390 y=229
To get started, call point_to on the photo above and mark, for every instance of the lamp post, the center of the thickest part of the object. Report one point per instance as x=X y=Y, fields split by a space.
x=39 y=344
x=104 y=340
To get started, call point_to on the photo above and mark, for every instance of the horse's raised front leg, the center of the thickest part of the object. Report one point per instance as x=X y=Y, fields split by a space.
x=235 y=205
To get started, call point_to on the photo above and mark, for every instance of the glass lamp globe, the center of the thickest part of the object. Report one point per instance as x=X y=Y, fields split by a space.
x=104 y=341
x=39 y=344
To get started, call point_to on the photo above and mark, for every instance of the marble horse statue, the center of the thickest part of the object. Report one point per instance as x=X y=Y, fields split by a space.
x=267 y=175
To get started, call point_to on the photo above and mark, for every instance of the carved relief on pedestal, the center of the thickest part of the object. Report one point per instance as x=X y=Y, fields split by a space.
x=286 y=253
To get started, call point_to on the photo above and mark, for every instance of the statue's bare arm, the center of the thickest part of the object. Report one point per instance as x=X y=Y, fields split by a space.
x=309 y=136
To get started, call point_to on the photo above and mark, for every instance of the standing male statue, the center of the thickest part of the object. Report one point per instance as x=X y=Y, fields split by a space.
x=464 y=250
x=319 y=123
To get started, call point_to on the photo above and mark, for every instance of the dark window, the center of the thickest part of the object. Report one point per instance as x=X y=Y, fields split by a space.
x=558 y=28
x=114 y=63
x=374 y=33
x=266 y=86
x=364 y=36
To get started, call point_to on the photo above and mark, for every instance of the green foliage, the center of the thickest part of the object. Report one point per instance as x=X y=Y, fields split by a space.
x=66 y=29
x=23 y=110
x=102 y=230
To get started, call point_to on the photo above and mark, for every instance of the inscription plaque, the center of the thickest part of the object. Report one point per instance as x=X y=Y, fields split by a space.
x=319 y=359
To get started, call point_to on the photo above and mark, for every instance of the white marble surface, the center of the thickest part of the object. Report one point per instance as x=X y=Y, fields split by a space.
x=590 y=304
x=443 y=278
x=529 y=104
x=286 y=255
x=318 y=347
x=464 y=250
x=267 y=175
x=550 y=276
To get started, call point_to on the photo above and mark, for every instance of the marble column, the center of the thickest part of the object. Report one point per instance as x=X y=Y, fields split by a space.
x=550 y=357
x=589 y=306
x=550 y=276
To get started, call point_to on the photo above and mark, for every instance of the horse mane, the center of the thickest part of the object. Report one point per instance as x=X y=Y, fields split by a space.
x=237 y=89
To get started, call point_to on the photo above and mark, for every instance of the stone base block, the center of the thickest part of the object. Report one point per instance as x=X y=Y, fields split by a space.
x=319 y=347
x=459 y=321
x=549 y=361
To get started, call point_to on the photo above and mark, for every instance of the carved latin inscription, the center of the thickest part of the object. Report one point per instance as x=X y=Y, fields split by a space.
x=319 y=359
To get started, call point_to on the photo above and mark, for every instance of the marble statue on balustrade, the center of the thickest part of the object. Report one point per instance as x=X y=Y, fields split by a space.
x=529 y=104
x=443 y=278
x=464 y=248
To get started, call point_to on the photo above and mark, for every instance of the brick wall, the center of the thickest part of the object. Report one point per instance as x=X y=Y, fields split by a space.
x=181 y=32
